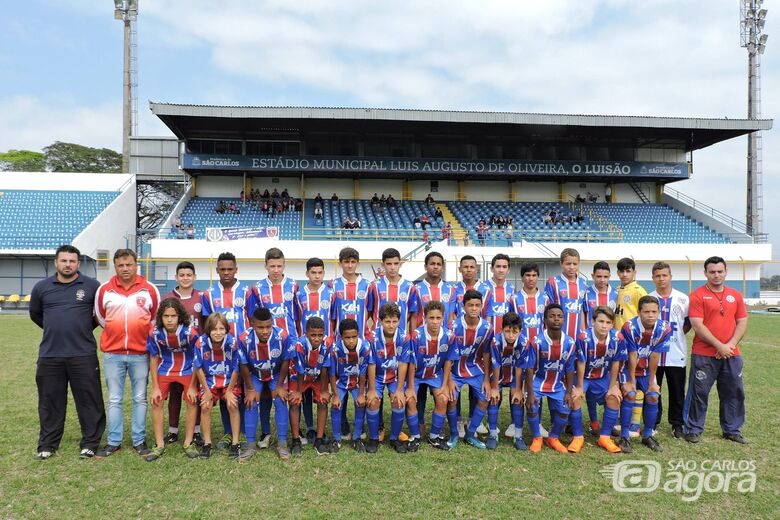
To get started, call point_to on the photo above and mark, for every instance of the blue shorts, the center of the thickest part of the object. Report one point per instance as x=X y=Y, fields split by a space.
x=555 y=400
x=642 y=382
x=391 y=388
x=342 y=391
x=475 y=382
x=596 y=389
x=432 y=382
x=270 y=385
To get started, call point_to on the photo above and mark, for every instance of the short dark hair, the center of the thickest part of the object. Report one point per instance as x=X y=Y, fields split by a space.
x=274 y=253
x=624 y=264
x=500 y=256
x=347 y=324
x=121 y=253
x=528 y=267
x=647 y=299
x=433 y=254
x=570 y=251
x=714 y=260
x=550 y=307
x=472 y=294
x=262 y=314
x=389 y=309
x=511 y=319
x=314 y=262
x=660 y=266
x=226 y=256
x=185 y=265
x=433 y=305
x=601 y=265
x=466 y=257
x=315 y=322
x=606 y=311
x=175 y=304
x=349 y=253
x=389 y=253
x=66 y=248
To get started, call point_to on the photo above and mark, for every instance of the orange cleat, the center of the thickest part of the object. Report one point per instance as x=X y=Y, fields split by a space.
x=536 y=445
x=576 y=444
x=403 y=437
x=606 y=442
x=555 y=443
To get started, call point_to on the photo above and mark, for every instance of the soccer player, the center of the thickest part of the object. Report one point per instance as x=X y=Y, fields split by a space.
x=311 y=374
x=499 y=292
x=549 y=373
x=393 y=288
x=387 y=369
x=190 y=297
x=314 y=298
x=599 y=359
x=568 y=290
x=264 y=354
x=170 y=347
x=469 y=280
x=347 y=371
x=428 y=346
x=468 y=363
x=646 y=338
x=674 y=310
x=352 y=296
x=502 y=364
x=215 y=366
x=599 y=293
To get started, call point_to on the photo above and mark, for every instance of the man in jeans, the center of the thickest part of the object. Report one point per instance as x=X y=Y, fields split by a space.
x=125 y=306
x=62 y=305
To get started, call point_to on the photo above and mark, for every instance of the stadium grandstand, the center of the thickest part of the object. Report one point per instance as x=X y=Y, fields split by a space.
x=456 y=182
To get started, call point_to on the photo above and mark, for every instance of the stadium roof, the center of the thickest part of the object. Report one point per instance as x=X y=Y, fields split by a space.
x=253 y=122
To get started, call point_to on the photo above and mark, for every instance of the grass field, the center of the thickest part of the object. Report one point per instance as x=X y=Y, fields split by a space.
x=464 y=483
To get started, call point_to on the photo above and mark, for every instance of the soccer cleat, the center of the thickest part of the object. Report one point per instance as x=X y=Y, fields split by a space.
x=414 y=445
x=154 y=454
x=461 y=429
x=192 y=451
x=595 y=428
x=510 y=431
x=693 y=438
x=482 y=429
x=233 y=451
x=606 y=442
x=206 y=451
x=296 y=447
x=625 y=445
x=44 y=455
x=520 y=444
x=86 y=453
x=555 y=443
x=335 y=446
x=677 y=432
x=311 y=436
x=615 y=431
x=576 y=444
x=320 y=448
x=171 y=438
x=141 y=448
x=438 y=443
x=225 y=442
x=633 y=431
x=453 y=442
x=735 y=437
x=536 y=444
x=107 y=451
x=543 y=431
x=358 y=446
x=264 y=441
x=403 y=437
x=491 y=443
x=245 y=454
x=472 y=440
x=651 y=443
x=381 y=434
x=398 y=446
x=197 y=439
x=283 y=451
x=372 y=446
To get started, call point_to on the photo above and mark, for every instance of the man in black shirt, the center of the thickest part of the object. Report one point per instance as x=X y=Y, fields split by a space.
x=63 y=306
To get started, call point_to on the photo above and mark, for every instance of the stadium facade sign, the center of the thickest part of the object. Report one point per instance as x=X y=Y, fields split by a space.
x=215 y=234
x=395 y=165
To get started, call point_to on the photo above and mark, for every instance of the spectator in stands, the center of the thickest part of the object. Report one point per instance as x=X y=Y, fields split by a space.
x=318 y=212
x=266 y=195
x=299 y=204
x=390 y=201
x=553 y=217
x=220 y=207
x=608 y=193
x=509 y=220
x=580 y=217
x=190 y=231
x=425 y=237
x=275 y=194
x=509 y=233
x=500 y=222
x=547 y=220
x=62 y=305
x=375 y=199
x=234 y=208
x=241 y=196
x=318 y=199
x=285 y=194
x=446 y=233
x=356 y=223
x=334 y=198
x=482 y=234
x=425 y=222
x=177 y=221
x=579 y=198
x=265 y=207
x=428 y=201
x=382 y=201
x=416 y=222
x=347 y=223
x=438 y=214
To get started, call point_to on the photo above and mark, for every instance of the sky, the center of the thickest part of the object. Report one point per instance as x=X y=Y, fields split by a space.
x=61 y=67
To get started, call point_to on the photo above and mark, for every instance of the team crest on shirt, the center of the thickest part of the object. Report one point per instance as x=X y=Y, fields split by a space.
x=217 y=302
x=382 y=295
x=140 y=301
x=252 y=354
x=288 y=296
x=266 y=298
x=426 y=298
x=520 y=309
x=238 y=302
x=422 y=350
x=276 y=352
x=403 y=297
x=564 y=293
x=80 y=295
x=626 y=298
x=730 y=298
x=197 y=307
x=206 y=355
x=324 y=304
x=339 y=294
x=361 y=295
x=445 y=298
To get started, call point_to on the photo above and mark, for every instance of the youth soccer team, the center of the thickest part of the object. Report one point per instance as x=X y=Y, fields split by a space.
x=289 y=347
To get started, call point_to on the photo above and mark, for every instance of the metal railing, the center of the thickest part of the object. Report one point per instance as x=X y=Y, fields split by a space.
x=708 y=210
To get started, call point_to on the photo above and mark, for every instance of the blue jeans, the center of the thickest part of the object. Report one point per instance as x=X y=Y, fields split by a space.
x=116 y=368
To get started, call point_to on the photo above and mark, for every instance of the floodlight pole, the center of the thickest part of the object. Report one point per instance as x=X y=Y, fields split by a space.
x=752 y=18
x=127 y=11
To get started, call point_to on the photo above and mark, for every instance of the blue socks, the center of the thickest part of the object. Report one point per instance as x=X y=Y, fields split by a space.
x=492 y=413
x=437 y=422
x=281 y=418
x=650 y=413
x=518 y=413
x=608 y=421
x=533 y=421
x=575 y=420
x=476 y=420
x=396 y=423
x=373 y=423
x=626 y=409
x=413 y=421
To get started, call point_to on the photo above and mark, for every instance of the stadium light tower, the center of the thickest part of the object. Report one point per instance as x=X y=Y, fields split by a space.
x=753 y=18
x=127 y=11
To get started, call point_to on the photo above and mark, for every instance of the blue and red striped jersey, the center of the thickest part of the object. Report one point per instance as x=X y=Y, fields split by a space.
x=279 y=298
x=386 y=354
x=505 y=356
x=427 y=352
x=218 y=363
x=497 y=302
x=645 y=342
x=352 y=300
x=551 y=360
x=310 y=303
x=571 y=296
x=442 y=292
x=459 y=289
x=310 y=360
x=349 y=365
x=174 y=350
x=594 y=299
x=531 y=311
x=229 y=302
x=404 y=294
x=470 y=345
x=598 y=356
x=265 y=359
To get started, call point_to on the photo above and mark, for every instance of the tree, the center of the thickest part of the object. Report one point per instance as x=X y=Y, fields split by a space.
x=22 y=161
x=69 y=157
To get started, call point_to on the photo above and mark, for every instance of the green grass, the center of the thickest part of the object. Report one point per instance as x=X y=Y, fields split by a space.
x=464 y=483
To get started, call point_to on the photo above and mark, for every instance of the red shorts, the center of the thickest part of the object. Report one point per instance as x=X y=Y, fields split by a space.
x=220 y=393
x=165 y=382
x=315 y=387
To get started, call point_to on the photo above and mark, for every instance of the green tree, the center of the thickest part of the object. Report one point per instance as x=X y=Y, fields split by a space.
x=69 y=157
x=22 y=161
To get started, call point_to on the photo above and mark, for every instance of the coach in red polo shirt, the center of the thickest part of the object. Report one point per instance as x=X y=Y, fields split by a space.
x=719 y=319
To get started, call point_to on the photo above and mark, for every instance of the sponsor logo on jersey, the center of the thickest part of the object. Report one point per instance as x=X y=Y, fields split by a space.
x=349 y=308
x=266 y=298
x=730 y=298
x=197 y=307
x=80 y=295
x=324 y=304
x=140 y=301
x=403 y=297
x=361 y=295
x=238 y=302
x=572 y=307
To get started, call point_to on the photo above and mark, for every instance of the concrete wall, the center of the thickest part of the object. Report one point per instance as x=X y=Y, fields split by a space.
x=66 y=181
x=536 y=191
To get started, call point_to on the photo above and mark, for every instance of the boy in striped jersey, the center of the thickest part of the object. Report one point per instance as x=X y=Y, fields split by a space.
x=599 y=293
